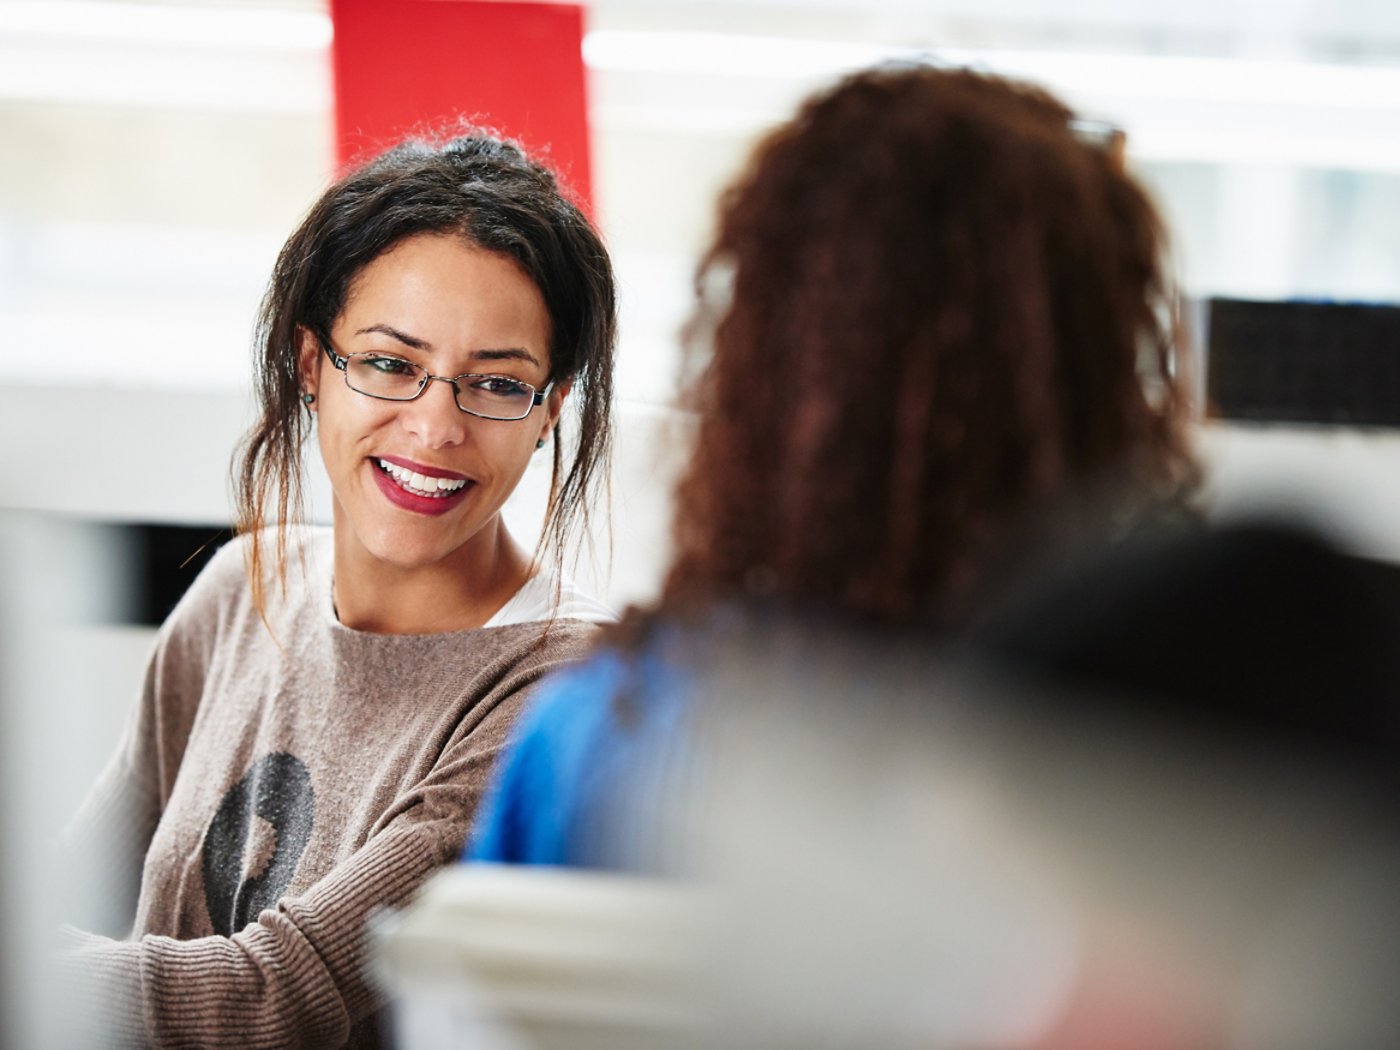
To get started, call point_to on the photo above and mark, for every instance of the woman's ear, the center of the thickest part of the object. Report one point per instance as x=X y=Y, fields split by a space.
x=553 y=405
x=308 y=362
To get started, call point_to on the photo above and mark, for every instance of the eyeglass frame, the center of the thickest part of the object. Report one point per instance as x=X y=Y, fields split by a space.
x=341 y=363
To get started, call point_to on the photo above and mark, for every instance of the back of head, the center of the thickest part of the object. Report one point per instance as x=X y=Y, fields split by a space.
x=931 y=307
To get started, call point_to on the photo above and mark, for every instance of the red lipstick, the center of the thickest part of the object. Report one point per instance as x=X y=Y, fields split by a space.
x=396 y=492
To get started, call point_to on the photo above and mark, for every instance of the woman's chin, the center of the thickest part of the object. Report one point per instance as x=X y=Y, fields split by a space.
x=413 y=544
x=416 y=554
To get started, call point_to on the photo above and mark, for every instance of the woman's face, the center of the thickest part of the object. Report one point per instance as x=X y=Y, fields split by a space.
x=451 y=308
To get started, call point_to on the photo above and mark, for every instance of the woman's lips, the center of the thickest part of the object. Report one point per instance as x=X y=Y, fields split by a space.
x=412 y=489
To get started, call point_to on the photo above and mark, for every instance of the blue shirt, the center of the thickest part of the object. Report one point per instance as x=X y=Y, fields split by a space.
x=586 y=777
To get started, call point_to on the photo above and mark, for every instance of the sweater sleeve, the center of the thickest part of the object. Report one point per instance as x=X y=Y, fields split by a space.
x=297 y=976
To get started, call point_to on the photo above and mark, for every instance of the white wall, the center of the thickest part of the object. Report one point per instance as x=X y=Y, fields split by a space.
x=149 y=175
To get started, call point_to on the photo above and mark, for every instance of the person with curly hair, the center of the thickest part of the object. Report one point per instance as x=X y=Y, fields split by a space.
x=323 y=706
x=934 y=316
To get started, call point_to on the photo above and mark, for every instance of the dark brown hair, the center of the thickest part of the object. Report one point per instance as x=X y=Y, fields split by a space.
x=929 y=308
x=487 y=191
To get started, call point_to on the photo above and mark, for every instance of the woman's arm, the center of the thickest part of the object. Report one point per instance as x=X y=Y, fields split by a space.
x=296 y=976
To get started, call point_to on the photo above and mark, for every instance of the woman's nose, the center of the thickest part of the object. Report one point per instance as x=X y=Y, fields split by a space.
x=433 y=416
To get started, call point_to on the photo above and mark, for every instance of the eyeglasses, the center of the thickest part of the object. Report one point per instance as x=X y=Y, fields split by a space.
x=391 y=378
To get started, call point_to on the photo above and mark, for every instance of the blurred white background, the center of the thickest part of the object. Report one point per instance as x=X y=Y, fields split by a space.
x=156 y=154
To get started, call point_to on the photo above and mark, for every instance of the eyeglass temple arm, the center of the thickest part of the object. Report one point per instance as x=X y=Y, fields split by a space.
x=339 y=360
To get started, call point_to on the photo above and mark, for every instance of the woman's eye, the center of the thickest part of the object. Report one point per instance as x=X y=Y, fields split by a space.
x=389 y=366
x=501 y=386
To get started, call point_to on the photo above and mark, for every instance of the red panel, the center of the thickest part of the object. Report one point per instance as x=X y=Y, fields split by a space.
x=411 y=65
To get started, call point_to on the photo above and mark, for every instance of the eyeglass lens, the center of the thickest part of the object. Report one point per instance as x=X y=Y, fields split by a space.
x=394 y=379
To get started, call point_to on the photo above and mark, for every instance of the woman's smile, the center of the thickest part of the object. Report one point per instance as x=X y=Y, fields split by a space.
x=418 y=488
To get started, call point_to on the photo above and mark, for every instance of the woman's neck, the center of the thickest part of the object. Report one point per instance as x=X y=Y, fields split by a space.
x=456 y=594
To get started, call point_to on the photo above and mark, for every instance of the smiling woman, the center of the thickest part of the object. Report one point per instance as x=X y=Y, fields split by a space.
x=323 y=707
x=418 y=475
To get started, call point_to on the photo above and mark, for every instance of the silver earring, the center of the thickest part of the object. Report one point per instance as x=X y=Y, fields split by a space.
x=308 y=397
x=539 y=444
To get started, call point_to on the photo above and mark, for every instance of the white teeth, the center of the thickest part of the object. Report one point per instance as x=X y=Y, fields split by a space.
x=422 y=484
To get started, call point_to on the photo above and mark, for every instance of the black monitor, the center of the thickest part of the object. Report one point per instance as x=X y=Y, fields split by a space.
x=1298 y=361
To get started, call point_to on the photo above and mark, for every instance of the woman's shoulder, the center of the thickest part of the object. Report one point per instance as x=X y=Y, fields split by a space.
x=586 y=696
x=599 y=676
x=580 y=734
x=223 y=583
x=573 y=711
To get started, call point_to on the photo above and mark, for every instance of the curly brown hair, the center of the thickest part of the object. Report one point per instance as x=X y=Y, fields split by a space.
x=930 y=307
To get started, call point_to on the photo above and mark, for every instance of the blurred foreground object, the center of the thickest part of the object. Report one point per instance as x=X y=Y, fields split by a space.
x=495 y=958
x=893 y=848
x=58 y=576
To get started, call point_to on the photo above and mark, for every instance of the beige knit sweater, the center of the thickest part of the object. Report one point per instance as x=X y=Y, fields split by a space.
x=272 y=790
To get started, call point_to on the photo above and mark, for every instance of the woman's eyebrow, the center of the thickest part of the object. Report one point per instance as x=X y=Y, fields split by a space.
x=513 y=353
x=510 y=353
x=393 y=333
